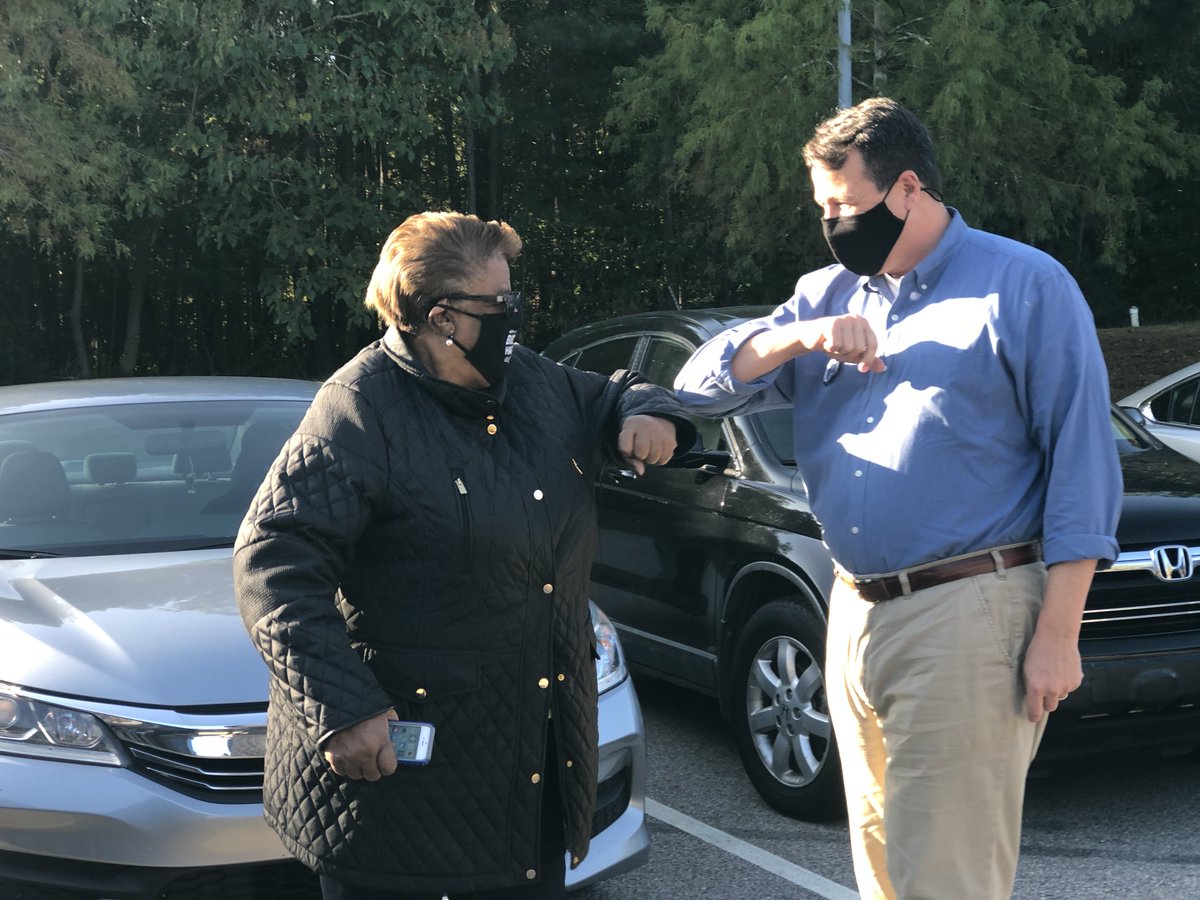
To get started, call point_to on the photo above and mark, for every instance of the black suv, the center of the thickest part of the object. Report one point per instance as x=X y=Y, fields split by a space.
x=717 y=579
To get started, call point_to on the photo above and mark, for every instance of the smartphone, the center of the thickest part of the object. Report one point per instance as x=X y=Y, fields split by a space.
x=413 y=742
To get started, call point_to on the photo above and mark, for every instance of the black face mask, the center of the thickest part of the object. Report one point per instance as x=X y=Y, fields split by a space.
x=494 y=346
x=862 y=243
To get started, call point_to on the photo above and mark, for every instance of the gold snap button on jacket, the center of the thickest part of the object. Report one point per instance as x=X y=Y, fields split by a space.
x=562 y=677
x=531 y=874
x=570 y=762
x=492 y=429
x=543 y=682
x=547 y=589
x=535 y=777
x=538 y=495
x=421 y=692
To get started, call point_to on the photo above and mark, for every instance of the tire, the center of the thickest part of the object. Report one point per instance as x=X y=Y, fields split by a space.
x=781 y=724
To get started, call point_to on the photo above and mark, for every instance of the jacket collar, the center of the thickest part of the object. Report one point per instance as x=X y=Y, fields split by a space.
x=461 y=400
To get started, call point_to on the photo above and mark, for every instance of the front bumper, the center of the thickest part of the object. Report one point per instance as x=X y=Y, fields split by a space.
x=1135 y=693
x=625 y=843
x=116 y=834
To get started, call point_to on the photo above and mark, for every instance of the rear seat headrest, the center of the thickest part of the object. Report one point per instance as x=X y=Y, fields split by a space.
x=8 y=448
x=110 y=468
x=202 y=461
x=33 y=485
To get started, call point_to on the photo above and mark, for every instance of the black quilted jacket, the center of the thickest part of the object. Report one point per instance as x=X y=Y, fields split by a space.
x=426 y=547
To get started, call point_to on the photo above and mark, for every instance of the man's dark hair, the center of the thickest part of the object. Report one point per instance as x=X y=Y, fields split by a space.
x=888 y=136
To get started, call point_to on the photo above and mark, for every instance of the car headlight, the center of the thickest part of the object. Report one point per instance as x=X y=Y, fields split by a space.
x=610 y=667
x=30 y=727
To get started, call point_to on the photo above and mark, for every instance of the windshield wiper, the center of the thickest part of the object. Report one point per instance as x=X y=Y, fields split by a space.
x=28 y=554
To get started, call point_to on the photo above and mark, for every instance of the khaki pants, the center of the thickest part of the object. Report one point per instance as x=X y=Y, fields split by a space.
x=927 y=703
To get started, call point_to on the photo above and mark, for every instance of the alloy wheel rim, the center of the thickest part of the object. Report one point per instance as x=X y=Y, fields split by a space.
x=787 y=712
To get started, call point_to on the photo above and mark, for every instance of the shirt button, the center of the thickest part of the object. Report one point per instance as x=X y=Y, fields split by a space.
x=895 y=317
x=854 y=530
x=543 y=683
x=914 y=295
x=924 y=287
x=870 y=420
x=547 y=589
x=492 y=429
x=535 y=777
x=538 y=495
x=531 y=874
x=858 y=473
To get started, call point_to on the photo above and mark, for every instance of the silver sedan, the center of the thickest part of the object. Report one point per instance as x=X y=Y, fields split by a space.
x=132 y=703
x=1170 y=410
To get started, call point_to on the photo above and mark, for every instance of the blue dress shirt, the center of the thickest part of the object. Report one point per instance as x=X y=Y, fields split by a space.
x=991 y=425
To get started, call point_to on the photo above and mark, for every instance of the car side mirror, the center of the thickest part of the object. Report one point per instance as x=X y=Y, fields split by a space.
x=1134 y=413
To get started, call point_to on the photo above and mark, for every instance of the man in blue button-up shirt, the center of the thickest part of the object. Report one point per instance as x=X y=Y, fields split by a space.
x=952 y=427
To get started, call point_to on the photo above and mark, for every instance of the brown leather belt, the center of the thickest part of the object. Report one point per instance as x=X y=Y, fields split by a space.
x=887 y=587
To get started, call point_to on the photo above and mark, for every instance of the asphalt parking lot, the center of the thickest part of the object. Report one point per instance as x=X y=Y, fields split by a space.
x=1113 y=826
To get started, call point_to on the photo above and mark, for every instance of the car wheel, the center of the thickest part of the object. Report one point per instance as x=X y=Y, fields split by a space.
x=780 y=713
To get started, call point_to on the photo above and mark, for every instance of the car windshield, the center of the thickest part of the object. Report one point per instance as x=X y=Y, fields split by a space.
x=138 y=477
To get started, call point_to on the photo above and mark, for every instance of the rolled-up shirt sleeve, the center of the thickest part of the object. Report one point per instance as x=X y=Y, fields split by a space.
x=706 y=384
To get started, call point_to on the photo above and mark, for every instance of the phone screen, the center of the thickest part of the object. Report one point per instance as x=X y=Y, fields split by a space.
x=413 y=741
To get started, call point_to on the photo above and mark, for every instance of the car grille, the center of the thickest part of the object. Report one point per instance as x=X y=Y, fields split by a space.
x=281 y=881
x=268 y=881
x=232 y=780
x=1130 y=601
x=612 y=799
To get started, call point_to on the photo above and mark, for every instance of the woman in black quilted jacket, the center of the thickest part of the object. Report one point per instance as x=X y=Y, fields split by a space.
x=420 y=550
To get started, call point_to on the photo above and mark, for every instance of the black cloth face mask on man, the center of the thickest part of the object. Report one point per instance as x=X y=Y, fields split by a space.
x=862 y=243
x=494 y=345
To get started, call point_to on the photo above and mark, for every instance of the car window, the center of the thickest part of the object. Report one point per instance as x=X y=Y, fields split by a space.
x=660 y=364
x=136 y=477
x=1179 y=405
x=775 y=426
x=607 y=356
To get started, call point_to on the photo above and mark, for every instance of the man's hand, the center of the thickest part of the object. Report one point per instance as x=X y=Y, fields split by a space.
x=844 y=338
x=1052 y=670
x=1052 y=667
x=363 y=750
x=646 y=440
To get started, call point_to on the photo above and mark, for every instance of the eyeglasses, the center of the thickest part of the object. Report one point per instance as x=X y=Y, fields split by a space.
x=511 y=299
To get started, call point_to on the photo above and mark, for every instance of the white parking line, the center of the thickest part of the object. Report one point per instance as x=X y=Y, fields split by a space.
x=776 y=865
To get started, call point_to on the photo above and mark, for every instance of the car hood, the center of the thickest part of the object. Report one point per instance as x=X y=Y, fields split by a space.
x=156 y=629
x=1162 y=499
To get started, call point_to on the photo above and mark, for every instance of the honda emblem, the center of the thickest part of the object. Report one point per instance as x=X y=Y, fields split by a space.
x=1172 y=562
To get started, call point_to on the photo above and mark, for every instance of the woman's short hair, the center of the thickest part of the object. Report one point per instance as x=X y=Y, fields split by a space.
x=430 y=255
x=888 y=136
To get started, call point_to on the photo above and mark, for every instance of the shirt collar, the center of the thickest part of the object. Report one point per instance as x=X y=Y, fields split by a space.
x=932 y=265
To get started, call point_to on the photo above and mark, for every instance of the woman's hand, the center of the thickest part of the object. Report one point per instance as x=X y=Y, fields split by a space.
x=363 y=750
x=646 y=440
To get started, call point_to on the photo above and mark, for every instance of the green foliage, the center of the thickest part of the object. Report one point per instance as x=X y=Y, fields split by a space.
x=62 y=159
x=1034 y=139
x=237 y=163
